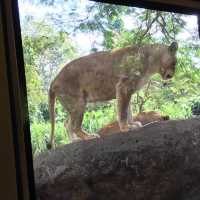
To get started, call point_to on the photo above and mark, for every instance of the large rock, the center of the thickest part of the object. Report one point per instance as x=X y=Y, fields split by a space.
x=158 y=162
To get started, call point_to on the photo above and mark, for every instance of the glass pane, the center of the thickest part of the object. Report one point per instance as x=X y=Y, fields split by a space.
x=80 y=56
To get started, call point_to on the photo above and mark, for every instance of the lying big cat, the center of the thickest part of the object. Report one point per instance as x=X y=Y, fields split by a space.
x=143 y=117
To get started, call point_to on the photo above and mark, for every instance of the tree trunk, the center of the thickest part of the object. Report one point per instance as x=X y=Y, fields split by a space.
x=158 y=162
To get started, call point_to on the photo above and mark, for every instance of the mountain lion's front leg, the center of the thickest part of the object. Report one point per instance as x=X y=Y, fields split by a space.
x=130 y=119
x=129 y=114
x=123 y=96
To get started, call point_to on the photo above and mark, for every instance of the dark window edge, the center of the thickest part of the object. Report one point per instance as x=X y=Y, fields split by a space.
x=153 y=6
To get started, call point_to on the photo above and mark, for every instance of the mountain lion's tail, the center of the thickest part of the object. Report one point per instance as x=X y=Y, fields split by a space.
x=52 y=98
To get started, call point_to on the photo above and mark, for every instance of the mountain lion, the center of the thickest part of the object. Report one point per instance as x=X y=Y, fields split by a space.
x=144 y=117
x=107 y=75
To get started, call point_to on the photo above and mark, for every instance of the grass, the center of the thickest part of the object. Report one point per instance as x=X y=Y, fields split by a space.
x=40 y=135
x=94 y=119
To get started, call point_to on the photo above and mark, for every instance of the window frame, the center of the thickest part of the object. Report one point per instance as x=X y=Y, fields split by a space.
x=19 y=126
x=16 y=151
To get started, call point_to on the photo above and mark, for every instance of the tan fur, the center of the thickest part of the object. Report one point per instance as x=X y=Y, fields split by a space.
x=143 y=117
x=108 y=75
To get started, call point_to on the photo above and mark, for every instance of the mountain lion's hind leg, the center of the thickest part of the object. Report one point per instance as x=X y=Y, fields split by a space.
x=76 y=112
x=72 y=136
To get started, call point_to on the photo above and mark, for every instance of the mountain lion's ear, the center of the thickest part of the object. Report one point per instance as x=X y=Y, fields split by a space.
x=173 y=47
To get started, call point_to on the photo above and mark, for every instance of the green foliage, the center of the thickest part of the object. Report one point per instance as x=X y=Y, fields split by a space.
x=45 y=49
x=93 y=120
x=96 y=118
x=195 y=107
x=40 y=134
x=48 y=43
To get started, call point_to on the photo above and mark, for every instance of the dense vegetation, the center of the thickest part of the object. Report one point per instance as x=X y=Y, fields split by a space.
x=50 y=40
